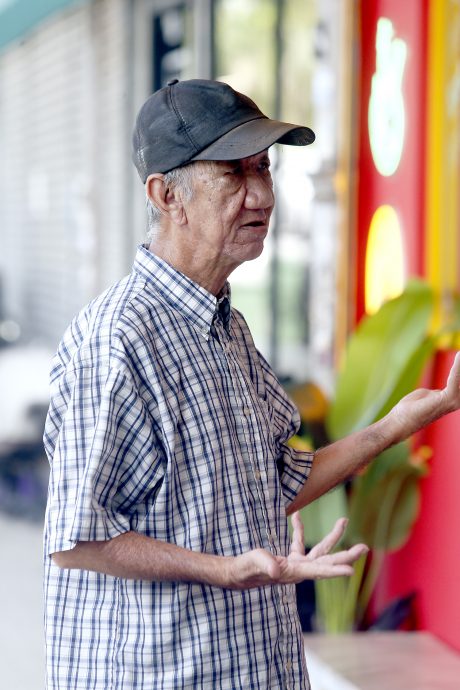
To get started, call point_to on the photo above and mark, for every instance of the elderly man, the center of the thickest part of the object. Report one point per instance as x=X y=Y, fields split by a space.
x=168 y=557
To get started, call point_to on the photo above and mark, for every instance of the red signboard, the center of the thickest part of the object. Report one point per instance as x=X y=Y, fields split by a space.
x=391 y=161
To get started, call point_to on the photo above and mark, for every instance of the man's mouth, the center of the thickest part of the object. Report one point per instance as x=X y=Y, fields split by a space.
x=255 y=224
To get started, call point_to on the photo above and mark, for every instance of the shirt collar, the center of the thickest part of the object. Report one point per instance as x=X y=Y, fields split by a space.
x=197 y=304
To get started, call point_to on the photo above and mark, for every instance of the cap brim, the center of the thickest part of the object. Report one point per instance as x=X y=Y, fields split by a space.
x=253 y=137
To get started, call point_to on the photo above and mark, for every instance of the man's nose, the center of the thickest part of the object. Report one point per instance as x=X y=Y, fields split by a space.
x=259 y=192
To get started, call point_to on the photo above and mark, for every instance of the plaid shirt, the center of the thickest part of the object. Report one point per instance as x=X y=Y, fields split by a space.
x=165 y=420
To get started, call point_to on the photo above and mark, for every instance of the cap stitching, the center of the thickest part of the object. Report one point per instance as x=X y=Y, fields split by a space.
x=175 y=107
x=141 y=154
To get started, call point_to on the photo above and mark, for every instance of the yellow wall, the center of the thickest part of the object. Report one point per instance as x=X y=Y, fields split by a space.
x=443 y=152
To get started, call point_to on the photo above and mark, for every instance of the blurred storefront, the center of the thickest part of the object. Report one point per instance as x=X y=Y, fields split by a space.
x=409 y=225
x=73 y=75
x=300 y=72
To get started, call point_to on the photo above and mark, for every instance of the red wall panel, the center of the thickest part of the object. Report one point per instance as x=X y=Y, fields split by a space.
x=429 y=564
x=404 y=190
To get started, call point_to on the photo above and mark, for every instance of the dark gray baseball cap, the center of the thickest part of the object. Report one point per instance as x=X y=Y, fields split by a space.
x=200 y=119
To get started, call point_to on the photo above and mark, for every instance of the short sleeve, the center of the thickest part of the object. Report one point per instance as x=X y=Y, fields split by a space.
x=294 y=465
x=106 y=464
x=295 y=469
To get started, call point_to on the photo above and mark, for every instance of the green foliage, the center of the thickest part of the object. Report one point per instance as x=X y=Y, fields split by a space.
x=384 y=501
x=384 y=360
x=319 y=517
x=337 y=601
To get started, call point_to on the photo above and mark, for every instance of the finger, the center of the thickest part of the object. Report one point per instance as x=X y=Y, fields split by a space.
x=348 y=556
x=327 y=572
x=298 y=538
x=313 y=570
x=330 y=540
x=453 y=380
x=337 y=564
x=330 y=565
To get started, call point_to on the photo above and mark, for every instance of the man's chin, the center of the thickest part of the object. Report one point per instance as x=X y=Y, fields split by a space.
x=255 y=251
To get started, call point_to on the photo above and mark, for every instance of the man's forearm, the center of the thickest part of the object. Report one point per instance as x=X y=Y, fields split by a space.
x=135 y=556
x=337 y=462
x=138 y=557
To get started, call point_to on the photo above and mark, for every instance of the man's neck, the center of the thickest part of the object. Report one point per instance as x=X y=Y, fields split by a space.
x=205 y=270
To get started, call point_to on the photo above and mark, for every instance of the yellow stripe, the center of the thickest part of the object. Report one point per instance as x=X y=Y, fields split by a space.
x=434 y=147
x=443 y=179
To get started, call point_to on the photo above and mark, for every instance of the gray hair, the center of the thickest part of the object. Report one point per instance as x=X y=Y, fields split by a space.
x=178 y=178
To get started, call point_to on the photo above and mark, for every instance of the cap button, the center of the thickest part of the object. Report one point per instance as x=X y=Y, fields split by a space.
x=172 y=82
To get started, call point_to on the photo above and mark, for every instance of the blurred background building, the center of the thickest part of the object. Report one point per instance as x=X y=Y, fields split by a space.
x=73 y=75
x=372 y=203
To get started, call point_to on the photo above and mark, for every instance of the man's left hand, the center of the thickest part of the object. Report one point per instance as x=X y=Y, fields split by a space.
x=423 y=406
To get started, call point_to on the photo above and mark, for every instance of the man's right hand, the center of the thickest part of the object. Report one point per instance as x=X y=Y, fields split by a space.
x=259 y=567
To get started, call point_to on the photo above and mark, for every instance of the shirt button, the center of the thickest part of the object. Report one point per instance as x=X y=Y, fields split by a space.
x=257 y=475
x=246 y=411
x=288 y=665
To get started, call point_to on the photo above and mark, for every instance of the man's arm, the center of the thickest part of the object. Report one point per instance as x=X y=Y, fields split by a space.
x=340 y=460
x=136 y=556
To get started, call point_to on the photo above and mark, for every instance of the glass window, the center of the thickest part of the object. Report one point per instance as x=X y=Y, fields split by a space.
x=282 y=55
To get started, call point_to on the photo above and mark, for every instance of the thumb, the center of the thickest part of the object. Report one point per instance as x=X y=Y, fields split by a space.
x=453 y=380
x=255 y=569
x=265 y=563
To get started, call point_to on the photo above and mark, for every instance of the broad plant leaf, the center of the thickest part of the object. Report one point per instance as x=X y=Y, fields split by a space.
x=319 y=517
x=384 y=357
x=410 y=377
x=384 y=502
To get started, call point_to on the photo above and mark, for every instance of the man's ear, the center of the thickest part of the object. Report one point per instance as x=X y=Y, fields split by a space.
x=166 y=199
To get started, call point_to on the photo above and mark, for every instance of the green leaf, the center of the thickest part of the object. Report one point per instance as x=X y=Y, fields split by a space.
x=383 y=359
x=320 y=516
x=384 y=502
x=410 y=376
x=337 y=600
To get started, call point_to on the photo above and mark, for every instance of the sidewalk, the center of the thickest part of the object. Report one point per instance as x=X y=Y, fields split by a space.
x=21 y=636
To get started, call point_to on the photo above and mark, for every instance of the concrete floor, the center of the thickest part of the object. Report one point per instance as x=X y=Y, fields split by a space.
x=21 y=610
